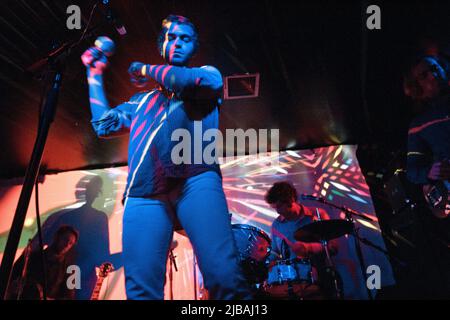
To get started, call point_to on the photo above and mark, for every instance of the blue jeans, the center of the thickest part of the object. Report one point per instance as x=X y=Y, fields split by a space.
x=148 y=223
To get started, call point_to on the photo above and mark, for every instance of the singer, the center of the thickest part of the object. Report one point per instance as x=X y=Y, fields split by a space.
x=160 y=194
x=293 y=215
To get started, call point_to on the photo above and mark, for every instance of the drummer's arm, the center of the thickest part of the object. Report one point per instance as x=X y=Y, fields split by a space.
x=333 y=247
x=275 y=245
x=301 y=249
x=315 y=248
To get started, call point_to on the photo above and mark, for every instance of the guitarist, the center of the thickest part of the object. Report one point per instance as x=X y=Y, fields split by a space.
x=428 y=157
x=27 y=279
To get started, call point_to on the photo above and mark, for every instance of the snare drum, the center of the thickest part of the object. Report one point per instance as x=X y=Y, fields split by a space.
x=288 y=277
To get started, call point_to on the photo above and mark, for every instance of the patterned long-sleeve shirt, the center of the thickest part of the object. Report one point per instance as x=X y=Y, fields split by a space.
x=428 y=140
x=189 y=99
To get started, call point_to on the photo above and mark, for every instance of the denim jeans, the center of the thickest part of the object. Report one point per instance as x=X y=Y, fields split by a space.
x=199 y=204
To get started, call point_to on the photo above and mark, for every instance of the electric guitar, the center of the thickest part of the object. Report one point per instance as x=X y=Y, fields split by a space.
x=438 y=198
x=103 y=272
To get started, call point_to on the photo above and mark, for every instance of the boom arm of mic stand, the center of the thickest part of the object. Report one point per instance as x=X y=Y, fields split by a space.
x=380 y=249
x=356 y=213
x=53 y=55
x=345 y=209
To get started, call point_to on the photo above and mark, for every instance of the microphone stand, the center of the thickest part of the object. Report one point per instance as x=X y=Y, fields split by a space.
x=349 y=213
x=174 y=264
x=194 y=260
x=24 y=274
x=55 y=60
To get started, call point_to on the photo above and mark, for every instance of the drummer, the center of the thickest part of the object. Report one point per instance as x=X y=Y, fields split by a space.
x=293 y=215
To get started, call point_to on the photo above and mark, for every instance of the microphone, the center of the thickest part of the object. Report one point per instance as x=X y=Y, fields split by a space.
x=310 y=197
x=103 y=47
x=112 y=17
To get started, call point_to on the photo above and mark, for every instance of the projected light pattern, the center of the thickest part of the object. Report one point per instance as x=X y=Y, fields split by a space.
x=331 y=172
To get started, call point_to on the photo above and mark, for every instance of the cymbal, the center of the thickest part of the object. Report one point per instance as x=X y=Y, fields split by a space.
x=324 y=230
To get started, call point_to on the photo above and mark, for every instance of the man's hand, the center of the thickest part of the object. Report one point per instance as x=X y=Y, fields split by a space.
x=440 y=171
x=94 y=60
x=299 y=248
x=137 y=78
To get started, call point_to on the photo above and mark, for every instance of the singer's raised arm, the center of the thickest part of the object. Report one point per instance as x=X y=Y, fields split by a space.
x=203 y=83
x=106 y=121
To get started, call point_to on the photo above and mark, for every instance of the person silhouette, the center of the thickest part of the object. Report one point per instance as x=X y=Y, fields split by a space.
x=92 y=248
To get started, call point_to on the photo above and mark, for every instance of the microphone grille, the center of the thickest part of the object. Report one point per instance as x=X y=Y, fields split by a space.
x=106 y=45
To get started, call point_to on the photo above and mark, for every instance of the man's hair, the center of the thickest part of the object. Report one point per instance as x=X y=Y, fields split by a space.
x=411 y=87
x=63 y=230
x=172 y=18
x=282 y=191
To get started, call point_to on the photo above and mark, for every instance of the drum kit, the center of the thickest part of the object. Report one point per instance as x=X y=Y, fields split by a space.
x=297 y=278
x=283 y=278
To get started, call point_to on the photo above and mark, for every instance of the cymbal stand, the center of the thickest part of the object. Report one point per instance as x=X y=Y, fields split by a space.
x=173 y=264
x=349 y=213
x=331 y=268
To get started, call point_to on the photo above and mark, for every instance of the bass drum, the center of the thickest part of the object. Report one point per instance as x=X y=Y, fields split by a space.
x=253 y=246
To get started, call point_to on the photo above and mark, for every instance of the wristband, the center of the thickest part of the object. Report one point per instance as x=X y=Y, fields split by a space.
x=144 y=70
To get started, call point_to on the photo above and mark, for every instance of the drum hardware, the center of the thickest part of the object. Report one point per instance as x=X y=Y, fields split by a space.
x=291 y=293
x=194 y=261
x=173 y=263
x=288 y=278
x=325 y=232
x=330 y=267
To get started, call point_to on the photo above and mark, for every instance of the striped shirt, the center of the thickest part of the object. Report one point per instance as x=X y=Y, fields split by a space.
x=191 y=98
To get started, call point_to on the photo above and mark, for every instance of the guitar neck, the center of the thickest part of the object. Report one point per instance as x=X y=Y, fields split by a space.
x=97 y=288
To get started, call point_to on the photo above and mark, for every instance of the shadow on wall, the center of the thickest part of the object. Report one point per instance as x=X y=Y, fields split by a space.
x=92 y=248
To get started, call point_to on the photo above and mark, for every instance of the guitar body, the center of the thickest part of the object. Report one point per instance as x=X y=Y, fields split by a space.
x=438 y=198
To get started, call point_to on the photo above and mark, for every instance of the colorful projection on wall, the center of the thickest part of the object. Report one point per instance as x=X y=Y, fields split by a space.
x=91 y=202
